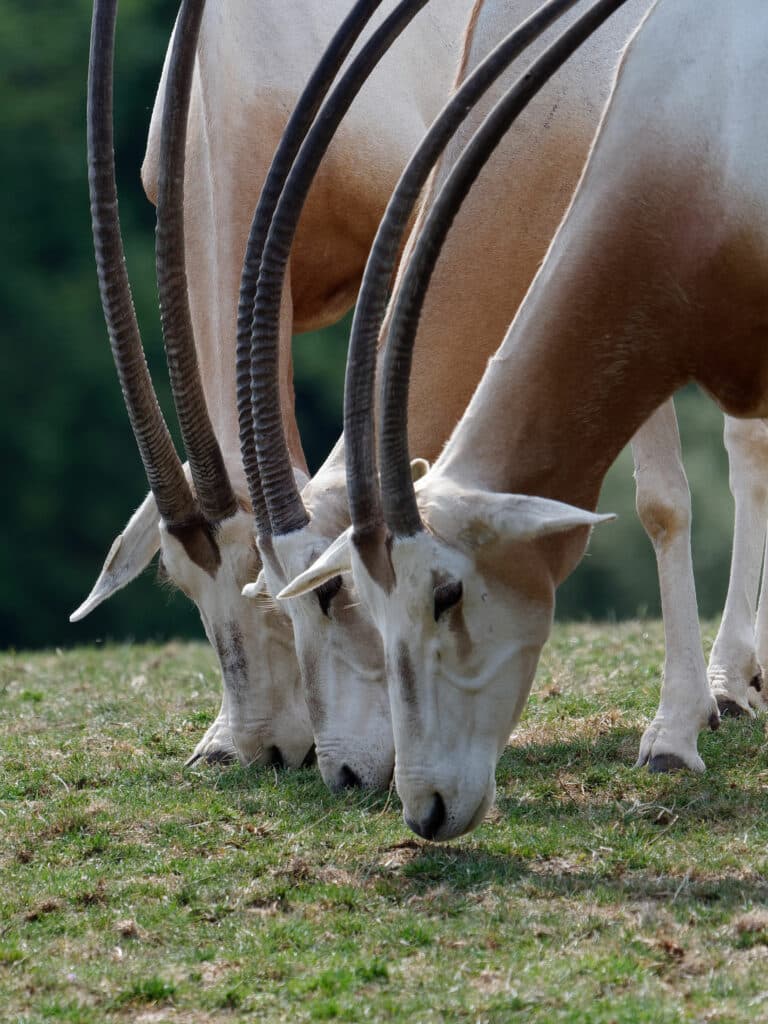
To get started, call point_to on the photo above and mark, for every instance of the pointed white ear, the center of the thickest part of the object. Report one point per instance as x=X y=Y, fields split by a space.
x=130 y=554
x=419 y=468
x=257 y=589
x=521 y=517
x=335 y=560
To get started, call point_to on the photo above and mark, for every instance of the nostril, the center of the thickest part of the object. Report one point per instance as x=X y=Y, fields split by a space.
x=275 y=758
x=436 y=818
x=349 y=779
x=434 y=821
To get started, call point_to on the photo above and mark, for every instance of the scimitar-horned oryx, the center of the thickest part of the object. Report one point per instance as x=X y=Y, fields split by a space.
x=338 y=659
x=457 y=332
x=338 y=647
x=194 y=527
x=658 y=275
x=251 y=63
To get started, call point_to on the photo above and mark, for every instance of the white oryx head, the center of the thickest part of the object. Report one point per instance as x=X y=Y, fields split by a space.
x=338 y=646
x=266 y=715
x=341 y=660
x=464 y=606
x=203 y=533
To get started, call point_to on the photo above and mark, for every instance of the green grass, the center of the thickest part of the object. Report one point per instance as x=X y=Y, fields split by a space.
x=133 y=890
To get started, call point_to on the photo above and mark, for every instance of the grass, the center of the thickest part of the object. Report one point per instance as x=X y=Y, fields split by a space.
x=133 y=890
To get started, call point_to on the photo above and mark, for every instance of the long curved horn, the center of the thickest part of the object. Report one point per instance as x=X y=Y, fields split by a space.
x=286 y=510
x=401 y=512
x=359 y=389
x=295 y=131
x=214 y=491
x=158 y=455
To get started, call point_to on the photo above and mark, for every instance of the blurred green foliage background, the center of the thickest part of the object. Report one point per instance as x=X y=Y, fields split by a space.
x=72 y=475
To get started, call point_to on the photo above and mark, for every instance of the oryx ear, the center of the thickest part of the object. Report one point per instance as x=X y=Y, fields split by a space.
x=520 y=517
x=419 y=468
x=335 y=560
x=257 y=589
x=130 y=554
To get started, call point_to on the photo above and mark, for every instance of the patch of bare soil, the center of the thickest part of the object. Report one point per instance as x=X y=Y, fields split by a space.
x=41 y=909
x=752 y=923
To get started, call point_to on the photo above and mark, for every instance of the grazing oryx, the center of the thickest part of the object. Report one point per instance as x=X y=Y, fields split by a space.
x=338 y=647
x=194 y=530
x=658 y=275
x=251 y=63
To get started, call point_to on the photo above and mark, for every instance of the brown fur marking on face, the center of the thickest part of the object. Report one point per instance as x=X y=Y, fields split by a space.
x=309 y=677
x=375 y=550
x=232 y=657
x=522 y=566
x=199 y=541
x=406 y=675
x=162 y=573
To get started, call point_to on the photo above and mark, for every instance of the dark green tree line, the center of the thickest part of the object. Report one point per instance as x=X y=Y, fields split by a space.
x=71 y=472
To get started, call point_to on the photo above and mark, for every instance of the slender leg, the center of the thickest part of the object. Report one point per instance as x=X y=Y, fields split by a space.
x=664 y=507
x=734 y=669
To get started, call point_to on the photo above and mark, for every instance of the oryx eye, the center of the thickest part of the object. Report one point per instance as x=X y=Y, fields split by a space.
x=446 y=595
x=326 y=593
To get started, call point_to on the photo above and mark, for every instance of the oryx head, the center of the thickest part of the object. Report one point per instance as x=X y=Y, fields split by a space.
x=340 y=656
x=464 y=604
x=203 y=531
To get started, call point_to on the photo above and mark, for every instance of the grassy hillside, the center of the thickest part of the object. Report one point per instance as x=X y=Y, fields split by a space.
x=136 y=891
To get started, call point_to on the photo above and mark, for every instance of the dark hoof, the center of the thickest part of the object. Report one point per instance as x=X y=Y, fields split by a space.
x=756 y=682
x=714 y=721
x=730 y=709
x=663 y=763
x=310 y=758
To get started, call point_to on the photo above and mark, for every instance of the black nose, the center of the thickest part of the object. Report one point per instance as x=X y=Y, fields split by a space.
x=434 y=821
x=348 y=779
x=275 y=758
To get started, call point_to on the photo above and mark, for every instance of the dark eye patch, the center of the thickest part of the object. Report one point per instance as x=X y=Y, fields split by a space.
x=326 y=593
x=446 y=595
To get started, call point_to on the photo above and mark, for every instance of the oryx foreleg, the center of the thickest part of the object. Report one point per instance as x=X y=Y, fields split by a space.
x=664 y=508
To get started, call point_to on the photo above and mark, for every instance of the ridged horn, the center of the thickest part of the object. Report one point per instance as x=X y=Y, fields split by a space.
x=359 y=389
x=158 y=455
x=284 y=505
x=295 y=131
x=214 y=491
x=401 y=512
